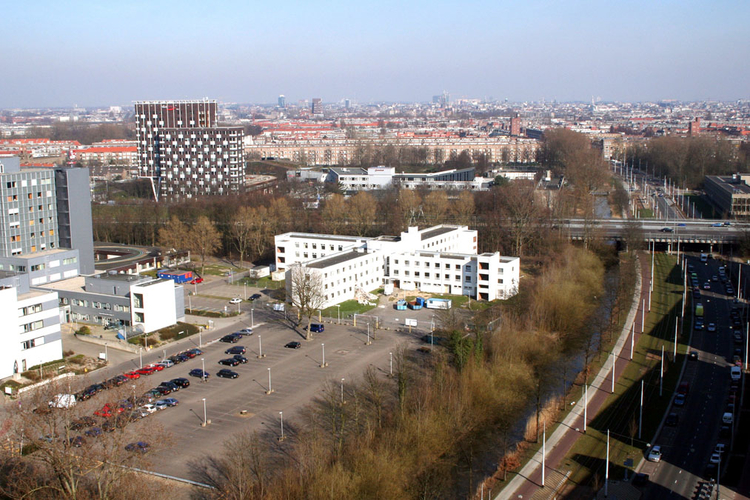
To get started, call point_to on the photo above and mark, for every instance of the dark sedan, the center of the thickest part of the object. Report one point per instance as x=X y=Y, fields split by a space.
x=197 y=372
x=182 y=382
x=238 y=349
x=224 y=373
x=229 y=362
x=230 y=339
x=240 y=358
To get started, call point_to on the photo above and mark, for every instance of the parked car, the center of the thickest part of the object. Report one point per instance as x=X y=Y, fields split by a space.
x=163 y=390
x=161 y=405
x=197 y=372
x=317 y=328
x=238 y=349
x=149 y=408
x=711 y=327
x=230 y=339
x=235 y=300
x=195 y=351
x=146 y=370
x=190 y=353
x=727 y=418
x=176 y=359
x=679 y=400
x=166 y=363
x=693 y=356
x=170 y=401
x=655 y=454
x=229 y=362
x=292 y=345
x=182 y=382
x=239 y=357
x=245 y=331
x=196 y=281
x=171 y=386
x=255 y=297
x=156 y=366
x=224 y=373
x=139 y=446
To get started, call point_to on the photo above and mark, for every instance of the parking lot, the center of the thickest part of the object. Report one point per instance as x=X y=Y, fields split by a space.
x=296 y=377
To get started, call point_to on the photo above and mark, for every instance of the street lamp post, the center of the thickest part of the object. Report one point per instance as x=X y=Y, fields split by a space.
x=342 y=390
x=205 y=416
x=368 y=334
x=338 y=313
x=140 y=356
x=252 y=316
x=106 y=353
x=323 y=364
x=260 y=348
x=200 y=338
x=281 y=421
x=203 y=375
x=391 y=355
x=270 y=389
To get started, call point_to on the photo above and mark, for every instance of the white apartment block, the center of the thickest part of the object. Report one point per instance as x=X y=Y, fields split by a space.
x=441 y=259
x=31 y=330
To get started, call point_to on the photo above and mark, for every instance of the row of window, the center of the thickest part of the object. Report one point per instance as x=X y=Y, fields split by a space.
x=436 y=265
x=24 y=183
x=29 y=196
x=25 y=311
x=34 y=325
x=95 y=304
x=28 y=344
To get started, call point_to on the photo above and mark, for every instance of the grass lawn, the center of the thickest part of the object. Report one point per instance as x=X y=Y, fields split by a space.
x=348 y=308
x=217 y=269
x=620 y=412
x=264 y=283
x=645 y=213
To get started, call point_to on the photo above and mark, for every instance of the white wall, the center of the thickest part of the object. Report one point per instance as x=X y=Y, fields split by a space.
x=10 y=344
x=159 y=308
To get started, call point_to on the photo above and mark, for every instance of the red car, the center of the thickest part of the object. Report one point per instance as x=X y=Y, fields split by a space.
x=189 y=354
x=196 y=281
x=105 y=412
x=156 y=367
x=132 y=375
x=146 y=370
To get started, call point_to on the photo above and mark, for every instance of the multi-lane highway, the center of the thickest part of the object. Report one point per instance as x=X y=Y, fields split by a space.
x=686 y=231
x=687 y=446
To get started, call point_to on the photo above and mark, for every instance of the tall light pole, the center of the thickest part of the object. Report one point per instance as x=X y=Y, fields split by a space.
x=281 y=421
x=200 y=338
x=606 y=470
x=614 y=360
x=674 y=355
x=252 y=316
x=338 y=313
x=140 y=356
x=323 y=364
x=368 y=334
x=260 y=348
x=342 y=390
x=270 y=390
x=544 y=450
x=391 y=355
x=203 y=375
x=640 y=413
x=585 y=405
x=632 y=340
x=205 y=416
x=643 y=317
x=661 y=371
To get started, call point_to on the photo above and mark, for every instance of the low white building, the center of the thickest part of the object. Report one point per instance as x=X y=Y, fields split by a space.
x=441 y=259
x=31 y=330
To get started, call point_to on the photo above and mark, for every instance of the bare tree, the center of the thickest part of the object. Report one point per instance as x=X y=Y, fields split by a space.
x=174 y=234
x=307 y=292
x=463 y=208
x=436 y=206
x=240 y=229
x=334 y=214
x=408 y=205
x=363 y=208
x=204 y=239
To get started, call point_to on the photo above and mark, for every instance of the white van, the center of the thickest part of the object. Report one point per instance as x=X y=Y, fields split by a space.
x=704 y=257
x=735 y=372
x=727 y=418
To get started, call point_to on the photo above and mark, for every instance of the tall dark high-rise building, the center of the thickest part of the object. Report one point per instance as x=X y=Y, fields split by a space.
x=282 y=101
x=317 y=106
x=184 y=152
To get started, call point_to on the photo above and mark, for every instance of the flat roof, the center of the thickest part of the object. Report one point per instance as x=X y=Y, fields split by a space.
x=33 y=293
x=120 y=277
x=351 y=239
x=335 y=259
x=432 y=233
x=76 y=284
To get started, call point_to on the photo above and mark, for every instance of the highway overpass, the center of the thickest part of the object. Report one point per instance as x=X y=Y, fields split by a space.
x=661 y=231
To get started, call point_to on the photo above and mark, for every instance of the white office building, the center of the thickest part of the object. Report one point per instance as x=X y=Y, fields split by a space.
x=441 y=259
x=31 y=330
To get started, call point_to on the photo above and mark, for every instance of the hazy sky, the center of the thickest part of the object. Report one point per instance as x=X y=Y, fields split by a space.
x=106 y=52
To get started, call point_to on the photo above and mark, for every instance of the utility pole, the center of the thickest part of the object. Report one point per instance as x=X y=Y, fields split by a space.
x=640 y=416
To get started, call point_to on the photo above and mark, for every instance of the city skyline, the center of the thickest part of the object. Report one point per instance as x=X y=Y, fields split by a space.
x=89 y=54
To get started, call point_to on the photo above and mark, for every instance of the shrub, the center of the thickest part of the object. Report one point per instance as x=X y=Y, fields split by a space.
x=84 y=330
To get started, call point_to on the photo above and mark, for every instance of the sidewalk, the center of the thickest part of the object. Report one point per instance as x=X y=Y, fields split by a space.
x=528 y=481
